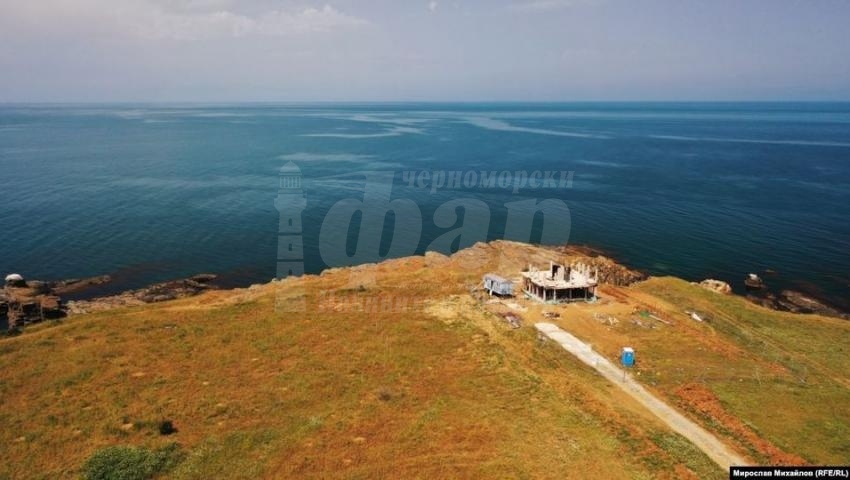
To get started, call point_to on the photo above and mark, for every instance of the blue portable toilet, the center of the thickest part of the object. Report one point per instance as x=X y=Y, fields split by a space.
x=628 y=357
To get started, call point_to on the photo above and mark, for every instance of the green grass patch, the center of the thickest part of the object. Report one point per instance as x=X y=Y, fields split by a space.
x=240 y=455
x=130 y=463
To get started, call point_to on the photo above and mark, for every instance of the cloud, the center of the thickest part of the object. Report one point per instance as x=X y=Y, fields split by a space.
x=432 y=6
x=175 y=19
x=191 y=5
x=191 y=26
x=548 y=5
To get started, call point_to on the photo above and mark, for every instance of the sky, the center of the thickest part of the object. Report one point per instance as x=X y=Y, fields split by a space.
x=429 y=50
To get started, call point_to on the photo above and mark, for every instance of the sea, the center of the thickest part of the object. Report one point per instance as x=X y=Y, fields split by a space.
x=152 y=192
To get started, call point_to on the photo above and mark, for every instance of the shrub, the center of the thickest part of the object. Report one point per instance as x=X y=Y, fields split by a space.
x=166 y=427
x=130 y=463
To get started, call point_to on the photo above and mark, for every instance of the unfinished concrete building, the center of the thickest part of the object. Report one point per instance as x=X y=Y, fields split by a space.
x=561 y=284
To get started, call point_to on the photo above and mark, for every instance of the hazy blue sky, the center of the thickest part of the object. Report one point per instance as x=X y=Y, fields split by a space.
x=278 y=50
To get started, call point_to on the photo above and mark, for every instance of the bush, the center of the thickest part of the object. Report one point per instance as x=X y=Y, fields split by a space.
x=166 y=427
x=130 y=463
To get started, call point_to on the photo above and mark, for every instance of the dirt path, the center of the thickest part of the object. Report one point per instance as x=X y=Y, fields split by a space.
x=708 y=443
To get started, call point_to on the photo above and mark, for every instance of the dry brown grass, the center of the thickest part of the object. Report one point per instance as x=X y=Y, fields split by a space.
x=440 y=388
x=779 y=379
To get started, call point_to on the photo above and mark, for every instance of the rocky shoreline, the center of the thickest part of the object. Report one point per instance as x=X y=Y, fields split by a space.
x=758 y=292
x=23 y=302
x=795 y=302
x=159 y=292
x=755 y=288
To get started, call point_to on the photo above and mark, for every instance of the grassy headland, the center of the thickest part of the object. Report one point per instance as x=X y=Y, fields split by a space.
x=396 y=370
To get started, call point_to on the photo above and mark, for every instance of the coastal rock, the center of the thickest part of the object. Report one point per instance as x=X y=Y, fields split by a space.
x=509 y=258
x=162 y=292
x=609 y=271
x=612 y=273
x=27 y=301
x=64 y=287
x=795 y=302
x=156 y=293
x=718 y=286
x=103 y=303
x=806 y=304
x=433 y=259
x=23 y=302
x=754 y=282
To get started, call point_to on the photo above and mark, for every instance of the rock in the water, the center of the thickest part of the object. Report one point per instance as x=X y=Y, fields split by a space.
x=204 y=277
x=718 y=286
x=76 y=284
x=754 y=282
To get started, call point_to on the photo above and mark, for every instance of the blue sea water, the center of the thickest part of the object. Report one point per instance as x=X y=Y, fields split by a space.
x=147 y=193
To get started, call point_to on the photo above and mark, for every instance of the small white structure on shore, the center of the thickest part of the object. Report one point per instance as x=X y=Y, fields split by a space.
x=497 y=285
x=561 y=284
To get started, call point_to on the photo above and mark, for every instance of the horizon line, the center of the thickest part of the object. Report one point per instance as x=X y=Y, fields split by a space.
x=388 y=102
